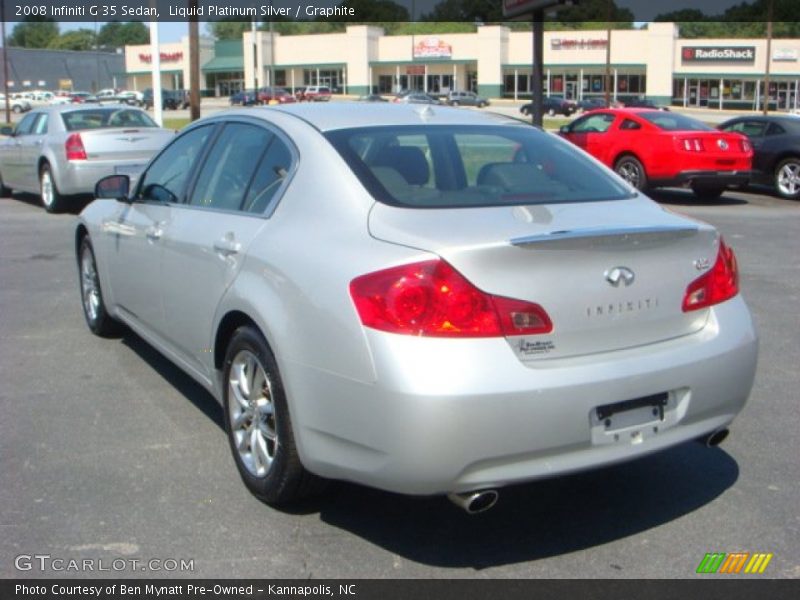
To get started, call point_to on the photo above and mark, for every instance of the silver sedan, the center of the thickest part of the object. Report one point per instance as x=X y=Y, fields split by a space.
x=424 y=300
x=59 y=151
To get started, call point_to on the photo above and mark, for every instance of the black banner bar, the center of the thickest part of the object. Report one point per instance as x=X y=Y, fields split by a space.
x=708 y=588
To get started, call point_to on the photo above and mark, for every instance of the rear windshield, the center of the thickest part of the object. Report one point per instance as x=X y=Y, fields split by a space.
x=446 y=166
x=669 y=121
x=100 y=118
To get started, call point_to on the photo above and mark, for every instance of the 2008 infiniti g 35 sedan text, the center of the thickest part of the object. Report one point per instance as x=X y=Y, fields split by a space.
x=426 y=300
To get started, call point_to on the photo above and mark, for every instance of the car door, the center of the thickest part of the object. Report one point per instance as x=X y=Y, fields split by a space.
x=30 y=149
x=13 y=167
x=208 y=237
x=590 y=133
x=755 y=130
x=133 y=233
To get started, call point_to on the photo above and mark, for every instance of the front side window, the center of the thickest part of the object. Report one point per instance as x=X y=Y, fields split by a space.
x=26 y=125
x=598 y=123
x=448 y=166
x=165 y=180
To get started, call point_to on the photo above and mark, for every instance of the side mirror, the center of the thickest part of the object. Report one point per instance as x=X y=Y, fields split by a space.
x=114 y=187
x=9 y=131
x=563 y=129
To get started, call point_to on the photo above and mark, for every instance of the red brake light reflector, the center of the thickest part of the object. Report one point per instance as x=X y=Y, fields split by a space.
x=432 y=299
x=74 y=147
x=719 y=284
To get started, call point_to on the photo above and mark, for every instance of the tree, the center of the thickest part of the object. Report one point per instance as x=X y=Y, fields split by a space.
x=376 y=10
x=116 y=34
x=228 y=30
x=79 y=39
x=483 y=11
x=33 y=32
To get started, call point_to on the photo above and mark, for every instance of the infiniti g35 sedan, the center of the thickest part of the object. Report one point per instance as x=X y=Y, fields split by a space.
x=421 y=299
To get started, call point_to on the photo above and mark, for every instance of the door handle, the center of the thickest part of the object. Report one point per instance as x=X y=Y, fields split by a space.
x=227 y=245
x=154 y=233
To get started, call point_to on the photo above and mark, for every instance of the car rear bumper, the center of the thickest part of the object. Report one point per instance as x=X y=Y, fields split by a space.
x=80 y=177
x=459 y=415
x=707 y=178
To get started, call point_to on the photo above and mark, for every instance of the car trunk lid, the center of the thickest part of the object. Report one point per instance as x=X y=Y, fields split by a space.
x=611 y=275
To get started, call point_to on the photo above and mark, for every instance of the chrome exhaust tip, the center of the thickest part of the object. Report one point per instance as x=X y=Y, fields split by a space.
x=475 y=502
x=715 y=438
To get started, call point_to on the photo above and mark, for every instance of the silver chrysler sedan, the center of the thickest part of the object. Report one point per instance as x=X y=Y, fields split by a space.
x=60 y=151
x=422 y=299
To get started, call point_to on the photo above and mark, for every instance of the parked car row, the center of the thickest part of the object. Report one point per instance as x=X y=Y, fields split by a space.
x=655 y=148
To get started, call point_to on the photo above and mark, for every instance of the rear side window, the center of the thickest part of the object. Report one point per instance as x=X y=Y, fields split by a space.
x=272 y=171
x=464 y=166
x=229 y=168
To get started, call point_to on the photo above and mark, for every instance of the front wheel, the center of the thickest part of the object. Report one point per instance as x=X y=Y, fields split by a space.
x=51 y=198
x=632 y=171
x=708 y=192
x=94 y=310
x=258 y=423
x=787 y=178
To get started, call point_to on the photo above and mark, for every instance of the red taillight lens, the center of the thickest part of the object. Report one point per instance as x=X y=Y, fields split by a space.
x=693 y=145
x=718 y=285
x=74 y=147
x=746 y=146
x=432 y=299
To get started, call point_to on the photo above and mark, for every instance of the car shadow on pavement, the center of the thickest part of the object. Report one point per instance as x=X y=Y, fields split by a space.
x=536 y=520
x=531 y=521
x=188 y=387
x=681 y=197
x=75 y=203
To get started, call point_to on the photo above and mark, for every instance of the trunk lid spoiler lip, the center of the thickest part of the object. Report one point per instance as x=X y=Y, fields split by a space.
x=602 y=232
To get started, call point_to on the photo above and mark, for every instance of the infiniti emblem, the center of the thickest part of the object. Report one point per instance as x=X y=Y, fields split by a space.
x=620 y=274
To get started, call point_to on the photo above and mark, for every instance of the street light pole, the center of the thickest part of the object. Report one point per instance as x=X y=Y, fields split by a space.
x=5 y=60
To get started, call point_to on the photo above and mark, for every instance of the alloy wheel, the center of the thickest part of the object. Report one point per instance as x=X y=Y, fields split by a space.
x=788 y=178
x=90 y=286
x=252 y=413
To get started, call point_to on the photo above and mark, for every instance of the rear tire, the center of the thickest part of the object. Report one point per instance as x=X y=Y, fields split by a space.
x=787 y=178
x=52 y=200
x=258 y=423
x=631 y=170
x=708 y=192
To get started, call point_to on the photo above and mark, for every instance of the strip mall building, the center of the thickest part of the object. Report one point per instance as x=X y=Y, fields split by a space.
x=653 y=63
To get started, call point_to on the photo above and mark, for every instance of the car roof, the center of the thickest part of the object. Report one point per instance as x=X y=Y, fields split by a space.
x=65 y=108
x=346 y=115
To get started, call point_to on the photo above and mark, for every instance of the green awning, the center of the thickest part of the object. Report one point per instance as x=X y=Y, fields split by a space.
x=224 y=64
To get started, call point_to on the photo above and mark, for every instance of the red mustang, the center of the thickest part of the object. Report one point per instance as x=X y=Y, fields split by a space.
x=655 y=148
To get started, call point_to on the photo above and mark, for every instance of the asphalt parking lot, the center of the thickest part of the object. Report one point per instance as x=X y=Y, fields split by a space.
x=107 y=451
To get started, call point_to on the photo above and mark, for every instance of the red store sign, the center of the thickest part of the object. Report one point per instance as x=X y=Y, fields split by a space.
x=165 y=57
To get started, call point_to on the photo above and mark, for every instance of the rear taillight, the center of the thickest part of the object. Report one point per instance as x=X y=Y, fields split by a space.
x=432 y=299
x=74 y=147
x=746 y=146
x=693 y=145
x=719 y=284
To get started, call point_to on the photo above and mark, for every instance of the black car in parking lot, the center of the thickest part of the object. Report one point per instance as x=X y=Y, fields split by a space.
x=776 y=150
x=170 y=99
x=552 y=105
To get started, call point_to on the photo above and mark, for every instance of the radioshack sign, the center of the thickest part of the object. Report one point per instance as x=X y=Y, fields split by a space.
x=717 y=54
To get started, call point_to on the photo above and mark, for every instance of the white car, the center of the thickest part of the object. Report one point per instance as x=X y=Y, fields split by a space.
x=18 y=105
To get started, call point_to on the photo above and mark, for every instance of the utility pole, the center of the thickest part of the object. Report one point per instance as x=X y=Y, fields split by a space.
x=5 y=60
x=538 y=67
x=194 y=63
x=770 y=9
x=255 y=61
x=607 y=83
